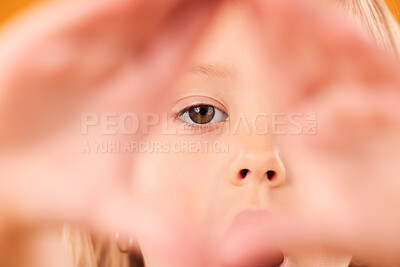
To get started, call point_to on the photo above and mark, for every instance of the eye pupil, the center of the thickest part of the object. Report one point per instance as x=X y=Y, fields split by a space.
x=201 y=110
x=202 y=114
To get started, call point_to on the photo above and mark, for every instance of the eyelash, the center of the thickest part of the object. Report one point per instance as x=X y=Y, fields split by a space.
x=193 y=126
x=180 y=113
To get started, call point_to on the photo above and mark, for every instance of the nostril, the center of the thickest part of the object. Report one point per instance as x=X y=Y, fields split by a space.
x=243 y=173
x=271 y=175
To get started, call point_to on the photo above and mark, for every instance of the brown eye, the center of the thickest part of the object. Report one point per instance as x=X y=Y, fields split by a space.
x=203 y=114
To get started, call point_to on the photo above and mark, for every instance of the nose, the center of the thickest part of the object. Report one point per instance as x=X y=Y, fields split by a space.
x=258 y=166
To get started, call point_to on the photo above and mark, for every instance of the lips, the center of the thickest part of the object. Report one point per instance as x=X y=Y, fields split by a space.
x=243 y=221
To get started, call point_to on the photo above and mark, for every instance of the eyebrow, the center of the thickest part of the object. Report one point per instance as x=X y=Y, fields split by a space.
x=212 y=70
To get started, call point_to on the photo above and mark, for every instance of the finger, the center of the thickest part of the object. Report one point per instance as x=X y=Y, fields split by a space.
x=49 y=194
x=104 y=26
x=170 y=239
x=296 y=233
x=350 y=219
x=69 y=199
x=308 y=48
x=65 y=57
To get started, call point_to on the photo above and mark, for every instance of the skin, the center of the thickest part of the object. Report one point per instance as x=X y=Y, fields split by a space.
x=353 y=87
x=46 y=200
x=206 y=189
x=75 y=58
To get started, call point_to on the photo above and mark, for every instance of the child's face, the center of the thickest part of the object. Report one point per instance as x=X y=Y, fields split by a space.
x=243 y=167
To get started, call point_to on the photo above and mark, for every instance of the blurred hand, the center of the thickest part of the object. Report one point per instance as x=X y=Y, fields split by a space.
x=67 y=57
x=347 y=176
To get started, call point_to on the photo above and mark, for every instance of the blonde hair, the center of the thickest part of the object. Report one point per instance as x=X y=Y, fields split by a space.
x=89 y=252
x=379 y=25
x=377 y=22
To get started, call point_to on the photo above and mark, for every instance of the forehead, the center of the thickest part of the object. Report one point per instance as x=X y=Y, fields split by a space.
x=227 y=65
x=230 y=43
x=231 y=38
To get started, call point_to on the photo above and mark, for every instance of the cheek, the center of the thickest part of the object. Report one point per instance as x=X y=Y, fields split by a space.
x=177 y=183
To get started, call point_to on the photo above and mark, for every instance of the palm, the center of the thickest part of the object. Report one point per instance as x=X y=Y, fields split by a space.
x=346 y=176
x=83 y=57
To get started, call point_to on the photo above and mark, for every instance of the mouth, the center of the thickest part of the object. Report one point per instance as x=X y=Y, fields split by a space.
x=245 y=220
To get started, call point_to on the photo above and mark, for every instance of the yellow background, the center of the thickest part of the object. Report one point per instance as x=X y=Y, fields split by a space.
x=9 y=7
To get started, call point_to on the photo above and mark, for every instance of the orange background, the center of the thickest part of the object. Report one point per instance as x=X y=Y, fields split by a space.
x=9 y=7
x=394 y=5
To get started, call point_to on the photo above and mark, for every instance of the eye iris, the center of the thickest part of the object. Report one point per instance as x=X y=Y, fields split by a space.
x=202 y=114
